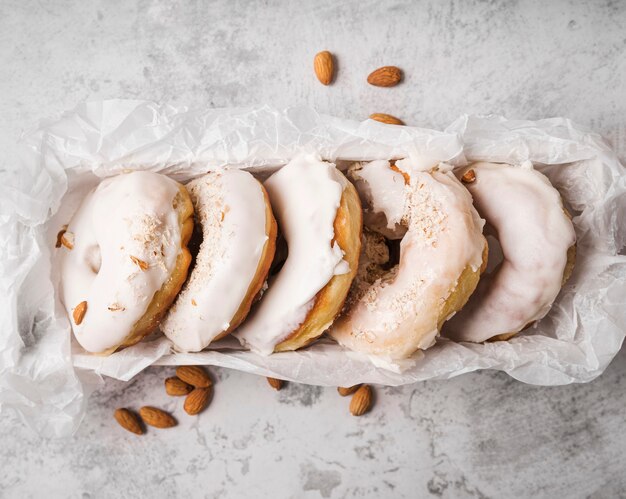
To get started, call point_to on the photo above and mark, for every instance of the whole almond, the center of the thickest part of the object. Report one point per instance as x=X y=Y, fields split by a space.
x=156 y=417
x=197 y=400
x=194 y=375
x=468 y=177
x=344 y=391
x=361 y=401
x=79 y=312
x=324 y=67
x=176 y=387
x=386 y=118
x=128 y=420
x=387 y=76
x=275 y=383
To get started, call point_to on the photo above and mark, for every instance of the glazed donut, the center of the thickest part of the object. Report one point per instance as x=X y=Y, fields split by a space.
x=538 y=245
x=125 y=258
x=319 y=214
x=391 y=313
x=238 y=242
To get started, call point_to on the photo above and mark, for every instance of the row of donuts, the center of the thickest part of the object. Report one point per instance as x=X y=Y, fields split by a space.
x=379 y=260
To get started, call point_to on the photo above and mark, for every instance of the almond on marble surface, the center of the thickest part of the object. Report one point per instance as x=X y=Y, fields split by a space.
x=157 y=417
x=128 y=420
x=324 y=67
x=194 y=375
x=387 y=76
x=361 y=401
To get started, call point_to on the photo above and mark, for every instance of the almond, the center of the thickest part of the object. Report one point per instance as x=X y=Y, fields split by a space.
x=386 y=118
x=194 y=375
x=468 y=177
x=128 y=420
x=275 y=383
x=156 y=417
x=344 y=391
x=361 y=401
x=67 y=240
x=176 y=387
x=324 y=67
x=140 y=263
x=79 y=312
x=387 y=76
x=197 y=400
x=60 y=234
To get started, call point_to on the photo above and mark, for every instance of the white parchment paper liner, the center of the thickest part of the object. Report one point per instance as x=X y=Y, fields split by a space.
x=46 y=377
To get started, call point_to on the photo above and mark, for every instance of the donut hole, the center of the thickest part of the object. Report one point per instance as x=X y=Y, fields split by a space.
x=280 y=256
x=93 y=258
x=194 y=246
x=393 y=245
x=496 y=257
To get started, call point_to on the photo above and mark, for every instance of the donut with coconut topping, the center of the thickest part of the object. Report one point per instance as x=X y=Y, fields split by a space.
x=238 y=242
x=125 y=258
x=391 y=313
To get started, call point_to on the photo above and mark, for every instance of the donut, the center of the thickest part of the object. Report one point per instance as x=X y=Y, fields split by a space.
x=319 y=214
x=238 y=229
x=526 y=214
x=125 y=258
x=393 y=312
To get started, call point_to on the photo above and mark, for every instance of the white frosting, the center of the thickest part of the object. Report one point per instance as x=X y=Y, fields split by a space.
x=126 y=216
x=383 y=195
x=526 y=212
x=394 y=314
x=305 y=195
x=231 y=210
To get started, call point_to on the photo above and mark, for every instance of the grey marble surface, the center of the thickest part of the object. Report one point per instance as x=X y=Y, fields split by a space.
x=480 y=435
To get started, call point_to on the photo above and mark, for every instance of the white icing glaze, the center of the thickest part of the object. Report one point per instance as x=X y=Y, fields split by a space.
x=526 y=212
x=231 y=210
x=130 y=215
x=383 y=195
x=395 y=314
x=305 y=195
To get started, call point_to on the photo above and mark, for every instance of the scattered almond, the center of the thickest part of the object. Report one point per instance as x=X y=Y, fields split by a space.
x=386 y=118
x=324 y=67
x=59 y=242
x=344 y=391
x=128 y=420
x=116 y=307
x=468 y=177
x=67 y=240
x=79 y=312
x=193 y=302
x=275 y=383
x=140 y=263
x=197 y=400
x=387 y=76
x=156 y=417
x=176 y=387
x=194 y=375
x=361 y=401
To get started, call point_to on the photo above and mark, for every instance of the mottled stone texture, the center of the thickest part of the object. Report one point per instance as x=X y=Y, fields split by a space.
x=481 y=435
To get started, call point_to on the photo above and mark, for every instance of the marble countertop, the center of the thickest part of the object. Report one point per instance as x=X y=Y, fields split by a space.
x=479 y=435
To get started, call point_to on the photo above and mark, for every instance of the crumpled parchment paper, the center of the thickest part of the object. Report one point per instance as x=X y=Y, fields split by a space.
x=46 y=377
